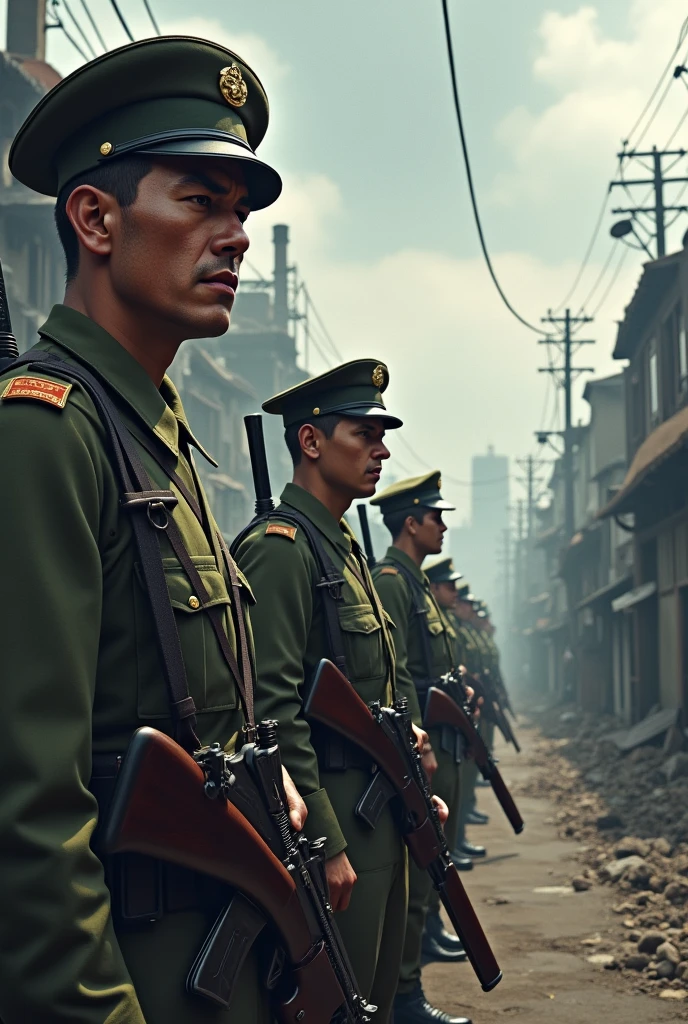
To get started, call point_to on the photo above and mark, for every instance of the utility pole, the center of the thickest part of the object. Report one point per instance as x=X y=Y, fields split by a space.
x=26 y=28
x=657 y=182
x=566 y=375
x=530 y=465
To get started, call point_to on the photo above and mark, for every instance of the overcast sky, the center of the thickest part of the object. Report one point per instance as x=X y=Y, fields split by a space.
x=364 y=133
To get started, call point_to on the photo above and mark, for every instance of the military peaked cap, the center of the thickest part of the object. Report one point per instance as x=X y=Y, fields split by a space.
x=352 y=389
x=411 y=494
x=464 y=593
x=169 y=96
x=442 y=571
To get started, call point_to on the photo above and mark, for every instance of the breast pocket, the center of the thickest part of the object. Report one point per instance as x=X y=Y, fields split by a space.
x=362 y=642
x=210 y=682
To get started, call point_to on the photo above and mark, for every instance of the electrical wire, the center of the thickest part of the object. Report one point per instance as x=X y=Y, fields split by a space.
x=72 y=17
x=622 y=259
x=323 y=328
x=588 y=252
x=60 y=24
x=469 y=175
x=152 y=17
x=120 y=16
x=681 y=37
x=94 y=25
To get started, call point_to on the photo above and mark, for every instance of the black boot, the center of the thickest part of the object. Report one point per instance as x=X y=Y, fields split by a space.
x=413 y=1008
x=476 y=818
x=434 y=929
x=465 y=849
x=461 y=861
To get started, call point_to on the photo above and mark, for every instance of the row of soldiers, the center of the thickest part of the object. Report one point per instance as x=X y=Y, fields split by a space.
x=150 y=152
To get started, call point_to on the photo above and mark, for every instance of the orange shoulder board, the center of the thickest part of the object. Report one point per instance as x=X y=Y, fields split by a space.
x=388 y=571
x=282 y=531
x=54 y=392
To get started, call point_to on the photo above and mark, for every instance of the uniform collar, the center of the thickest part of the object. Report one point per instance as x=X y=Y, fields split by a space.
x=88 y=343
x=396 y=555
x=306 y=503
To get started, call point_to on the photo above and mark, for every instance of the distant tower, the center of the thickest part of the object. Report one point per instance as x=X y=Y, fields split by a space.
x=490 y=494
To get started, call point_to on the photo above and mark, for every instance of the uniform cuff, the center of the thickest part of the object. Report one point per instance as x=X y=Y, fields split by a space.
x=322 y=821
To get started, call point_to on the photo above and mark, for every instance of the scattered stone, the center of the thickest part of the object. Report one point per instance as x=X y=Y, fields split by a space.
x=603 y=959
x=667 y=951
x=657 y=883
x=677 y=891
x=568 y=716
x=595 y=778
x=629 y=846
x=662 y=846
x=581 y=884
x=594 y=940
x=554 y=890
x=637 y=961
x=682 y=969
x=673 y=993
x=614 y=870
x=650 y=942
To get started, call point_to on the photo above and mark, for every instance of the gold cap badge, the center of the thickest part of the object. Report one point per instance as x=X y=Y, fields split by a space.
x=232 y=86
x=106 y=149
x=379 y=376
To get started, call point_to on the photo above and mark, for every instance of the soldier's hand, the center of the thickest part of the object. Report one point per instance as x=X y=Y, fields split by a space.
x=429 y=761
x=298 y=812
x=421 y=738
x=442 y=808
x=341 y=879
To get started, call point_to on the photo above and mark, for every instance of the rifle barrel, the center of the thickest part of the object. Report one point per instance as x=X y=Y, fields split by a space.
x=259 y=463
x=9 y=350
x=365 y=534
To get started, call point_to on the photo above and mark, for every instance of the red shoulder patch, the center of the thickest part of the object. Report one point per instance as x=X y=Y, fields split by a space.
x=282 y=531
x=51 y=391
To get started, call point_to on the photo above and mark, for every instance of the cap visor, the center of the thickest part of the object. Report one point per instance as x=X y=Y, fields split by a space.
x=439 y=503
x=368 y=412
x=263 y=182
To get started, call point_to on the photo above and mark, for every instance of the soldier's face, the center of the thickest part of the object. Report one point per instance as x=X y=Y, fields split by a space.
x=445 y=594
x=351 y=459
x=430 y=532
x=177 y=254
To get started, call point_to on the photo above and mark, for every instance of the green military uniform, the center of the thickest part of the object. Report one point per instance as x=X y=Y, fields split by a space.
x=291 y=638
x=77 y=636
x=395 y=576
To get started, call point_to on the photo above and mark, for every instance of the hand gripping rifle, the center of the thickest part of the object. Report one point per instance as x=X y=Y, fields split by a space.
x=449 y=706
x=8 y=343
x=226 y=816
x=386 y=735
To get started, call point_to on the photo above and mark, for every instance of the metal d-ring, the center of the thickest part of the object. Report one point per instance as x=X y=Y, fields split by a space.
x=157 y=508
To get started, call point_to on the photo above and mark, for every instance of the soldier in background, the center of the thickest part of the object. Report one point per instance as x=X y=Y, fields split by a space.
x=412 y=512
x=443 y=579
x=316 y=599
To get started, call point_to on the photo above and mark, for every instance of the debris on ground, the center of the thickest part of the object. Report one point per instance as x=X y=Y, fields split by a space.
x=627 y=807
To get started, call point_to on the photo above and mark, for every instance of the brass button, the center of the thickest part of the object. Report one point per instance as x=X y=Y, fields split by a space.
x=316 y=411
x=194 y=602
x=106 y=149
x=416 y=501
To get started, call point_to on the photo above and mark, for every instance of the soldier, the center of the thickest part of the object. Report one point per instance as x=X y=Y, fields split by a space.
x=443 y=577
x=315 y=599
x=412 y=512
x=150 y=152
x=473 y=651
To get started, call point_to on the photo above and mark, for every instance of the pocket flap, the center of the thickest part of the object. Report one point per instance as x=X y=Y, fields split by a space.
x=182 y=594
x=435 y=626
x=246 y=586
x=358 y=618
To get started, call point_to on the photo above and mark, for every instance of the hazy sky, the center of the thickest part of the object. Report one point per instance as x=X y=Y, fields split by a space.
x=364 y=133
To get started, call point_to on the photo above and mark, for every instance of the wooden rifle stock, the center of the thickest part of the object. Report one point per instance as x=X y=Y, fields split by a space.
x=484 y=688
x=441 y=709
x=160 y=809
x=333 y=702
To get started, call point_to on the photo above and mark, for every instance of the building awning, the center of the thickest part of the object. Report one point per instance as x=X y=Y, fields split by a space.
x=617 y=586
x=633 y=597
x=667 y=439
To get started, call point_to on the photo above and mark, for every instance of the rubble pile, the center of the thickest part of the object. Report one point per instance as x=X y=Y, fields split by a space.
x=629 y=812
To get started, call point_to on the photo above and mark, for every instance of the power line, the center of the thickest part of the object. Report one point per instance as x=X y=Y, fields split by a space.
x=94 y=25
x=321 y=322
x=624 y=253
x=120 y=16
x=79 y=29
x=151 y=16
x=469 y=175
x=681 y=37
x=60 y=24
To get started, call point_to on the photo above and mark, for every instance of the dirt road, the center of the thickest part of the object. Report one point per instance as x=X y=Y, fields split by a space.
x=538 y=936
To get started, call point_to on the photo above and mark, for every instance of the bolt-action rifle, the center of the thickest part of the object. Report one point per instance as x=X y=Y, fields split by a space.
x=492 y=707
x=386 y=735
x=449 y=706
x=226 y=816
x=365 y=534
